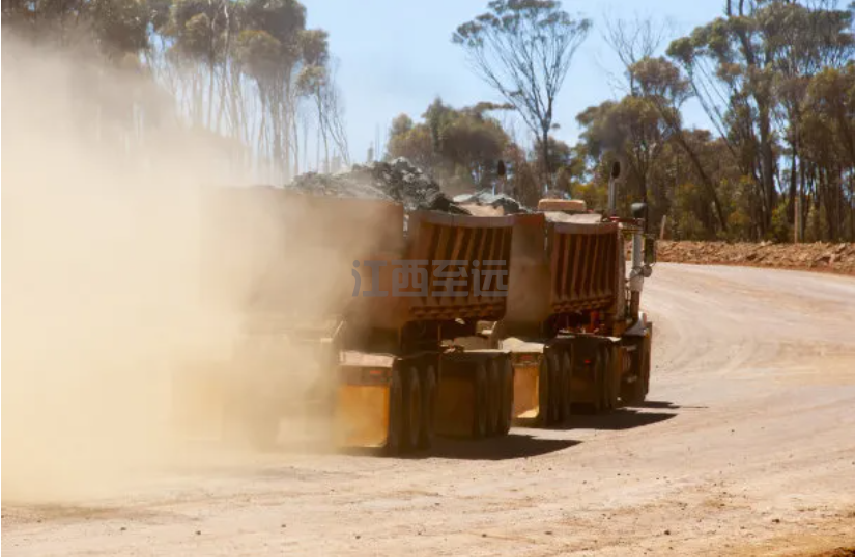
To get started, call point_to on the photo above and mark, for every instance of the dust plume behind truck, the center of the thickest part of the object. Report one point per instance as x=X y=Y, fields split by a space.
x=370 y=317
x=350 y=308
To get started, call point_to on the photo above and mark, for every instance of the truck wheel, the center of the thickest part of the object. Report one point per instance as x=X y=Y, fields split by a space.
x=567 y=371
x=631 y=393
x=594 y=405
x=396 y=414
x=634 y=393
x=647 y=373
x=413 y=409
x=649 y=340
x=604 y=378
x=611 y=388
x=543 y=393
x=554 y=364
x=429 y=396
x=480 y=405
x=507 y=406
x=494 y=398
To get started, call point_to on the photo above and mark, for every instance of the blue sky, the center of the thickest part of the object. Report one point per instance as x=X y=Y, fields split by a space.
x=396 y=55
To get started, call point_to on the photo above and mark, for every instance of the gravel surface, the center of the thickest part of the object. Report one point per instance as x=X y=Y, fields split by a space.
x=744 y=448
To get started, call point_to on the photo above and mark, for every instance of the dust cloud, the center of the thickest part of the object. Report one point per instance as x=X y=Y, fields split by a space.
x=108 y=288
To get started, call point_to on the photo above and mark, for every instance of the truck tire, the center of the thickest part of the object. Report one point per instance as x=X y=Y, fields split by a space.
x=633 y=394
x=554 y=364
x=494 y=398
x=646 y=371
x=595 y=404
x=413 y=409
x=429 y=400
x=396 y=414
x=543 y=393
x=507 y=405
x=611 y=385
x=480 y=405
x=567 y=371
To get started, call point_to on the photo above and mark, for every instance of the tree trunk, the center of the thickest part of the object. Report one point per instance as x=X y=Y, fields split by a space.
x=643 y=186
x=210 y=93
x=708 y=183
x=792 y=193
x=853 y=204
x=767 y=168
x=287 y=108
x=801 y=203
x=545 y=154
x=295 y=147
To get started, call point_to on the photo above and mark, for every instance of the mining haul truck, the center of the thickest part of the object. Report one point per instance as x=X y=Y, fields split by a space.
x=578 y=340
x=372 y=318
x=350 y=309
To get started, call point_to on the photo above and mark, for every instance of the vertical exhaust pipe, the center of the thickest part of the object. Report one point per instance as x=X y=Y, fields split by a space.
x=614 y=175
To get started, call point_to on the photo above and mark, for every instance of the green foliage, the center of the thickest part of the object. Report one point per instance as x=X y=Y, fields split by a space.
x=316 y=50
x=460 y=145
x=757 y=71
x=122 y=25
x=523 y=50
x=198 y=29
x=631 y=130
x=776 y=78
x=258 y=53
x=282 y=19
x=238 y=68
x=781 y=230
x=401 y=124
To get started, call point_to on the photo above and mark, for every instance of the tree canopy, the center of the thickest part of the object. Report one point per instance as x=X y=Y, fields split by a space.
x=459 y=144
x=523 y=49
x=775 y=77
x=247 y=70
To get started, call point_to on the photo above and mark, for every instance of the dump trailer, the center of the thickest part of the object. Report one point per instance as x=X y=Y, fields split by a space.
x=351 y=308
x=577 y=339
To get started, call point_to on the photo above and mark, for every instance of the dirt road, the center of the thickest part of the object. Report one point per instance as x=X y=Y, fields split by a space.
x=746 y=448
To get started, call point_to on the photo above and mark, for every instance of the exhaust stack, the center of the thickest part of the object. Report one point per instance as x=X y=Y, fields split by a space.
x=614 y=175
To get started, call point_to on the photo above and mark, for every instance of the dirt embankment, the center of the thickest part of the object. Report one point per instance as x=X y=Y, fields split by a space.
x=836 y=258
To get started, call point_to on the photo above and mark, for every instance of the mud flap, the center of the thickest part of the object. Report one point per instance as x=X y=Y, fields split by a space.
x=362 y=416
x=634 y=383
x=595 y=379
x=526 y=387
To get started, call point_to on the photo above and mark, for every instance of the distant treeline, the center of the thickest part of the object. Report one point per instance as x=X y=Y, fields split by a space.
x=776 y=78
x=248 y=72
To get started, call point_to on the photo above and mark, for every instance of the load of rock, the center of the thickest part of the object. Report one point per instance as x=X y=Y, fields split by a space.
x=399 y=180
x=508 y=204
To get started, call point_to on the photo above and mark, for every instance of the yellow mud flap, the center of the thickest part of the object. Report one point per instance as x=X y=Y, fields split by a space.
x=454 y=417
x=362 y=417
x=526 y=385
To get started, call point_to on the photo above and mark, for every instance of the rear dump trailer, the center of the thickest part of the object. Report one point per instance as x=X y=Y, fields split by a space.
x=402 y=377
x=577 y=339
x=373 y=354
